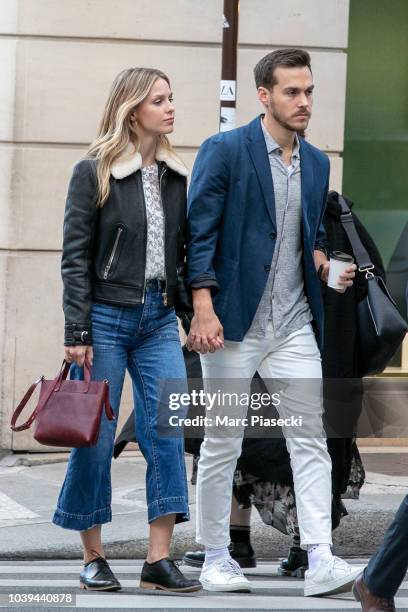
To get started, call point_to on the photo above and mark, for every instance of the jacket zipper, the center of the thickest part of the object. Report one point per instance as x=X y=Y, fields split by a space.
x=145 y=238
x=164 y=294
x=112 y=255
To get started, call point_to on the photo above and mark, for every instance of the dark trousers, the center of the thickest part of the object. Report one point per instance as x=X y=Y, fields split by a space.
x=387 y=568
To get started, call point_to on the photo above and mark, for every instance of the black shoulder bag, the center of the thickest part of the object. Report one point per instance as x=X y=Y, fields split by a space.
x=381 y=328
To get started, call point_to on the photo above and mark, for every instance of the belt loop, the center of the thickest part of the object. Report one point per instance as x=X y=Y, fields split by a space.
x=157 y=283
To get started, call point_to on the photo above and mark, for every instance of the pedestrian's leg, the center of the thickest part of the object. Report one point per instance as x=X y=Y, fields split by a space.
x=156 y=362
x=226 y=374
x=240 y=534
x=296 y=363
x=389 y=564
x=156 y=365
x=297 y=562
x=240 y=517
x=92 y=543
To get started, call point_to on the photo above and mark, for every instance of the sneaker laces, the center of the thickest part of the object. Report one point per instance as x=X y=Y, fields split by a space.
x=338 y=563
x=230 y=566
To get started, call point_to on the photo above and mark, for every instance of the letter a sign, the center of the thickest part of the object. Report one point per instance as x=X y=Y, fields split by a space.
x=227 y=91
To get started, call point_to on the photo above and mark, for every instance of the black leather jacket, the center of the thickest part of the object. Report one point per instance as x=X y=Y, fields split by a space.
x=104 y=249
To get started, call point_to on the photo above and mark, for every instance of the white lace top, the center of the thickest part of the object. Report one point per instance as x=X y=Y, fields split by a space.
x=155 y=263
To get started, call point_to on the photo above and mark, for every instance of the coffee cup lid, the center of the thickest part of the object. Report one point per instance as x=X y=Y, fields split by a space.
x=341 y=256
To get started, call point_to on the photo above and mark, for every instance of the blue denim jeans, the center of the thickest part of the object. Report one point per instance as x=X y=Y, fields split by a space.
x=143 y=339
x=388 y=566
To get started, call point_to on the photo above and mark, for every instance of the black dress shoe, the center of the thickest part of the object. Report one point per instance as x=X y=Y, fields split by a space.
x=295 y=565
x=98 y=576
x=164 y=575
x=194 y=558
x=242 y=552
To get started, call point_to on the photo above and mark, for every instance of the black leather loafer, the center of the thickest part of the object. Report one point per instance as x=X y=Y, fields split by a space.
x=295 y=565
x=164 y=575
x=98 y=576
x=240 y=551
x=194 y=558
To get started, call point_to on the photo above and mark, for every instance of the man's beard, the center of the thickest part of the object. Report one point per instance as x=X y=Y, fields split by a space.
x=279 y=119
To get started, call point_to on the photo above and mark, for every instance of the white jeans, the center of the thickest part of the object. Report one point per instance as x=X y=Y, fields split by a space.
x=295 y=356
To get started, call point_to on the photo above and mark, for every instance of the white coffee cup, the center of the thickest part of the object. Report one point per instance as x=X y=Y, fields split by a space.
x=339 y=262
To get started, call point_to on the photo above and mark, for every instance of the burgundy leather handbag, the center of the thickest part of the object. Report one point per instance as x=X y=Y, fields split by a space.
x=68 y=412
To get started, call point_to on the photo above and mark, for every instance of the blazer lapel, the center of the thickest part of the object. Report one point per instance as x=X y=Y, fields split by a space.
x=307 y=178
x=259 y=156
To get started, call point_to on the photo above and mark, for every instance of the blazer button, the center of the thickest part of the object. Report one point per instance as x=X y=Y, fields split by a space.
x=267 y=268
x=272 y=235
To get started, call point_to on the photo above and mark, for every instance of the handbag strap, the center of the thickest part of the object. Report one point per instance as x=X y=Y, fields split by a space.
x=362 y=257
x=57 y=380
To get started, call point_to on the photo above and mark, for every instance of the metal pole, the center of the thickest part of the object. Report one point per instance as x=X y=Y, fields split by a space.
x=228 y=85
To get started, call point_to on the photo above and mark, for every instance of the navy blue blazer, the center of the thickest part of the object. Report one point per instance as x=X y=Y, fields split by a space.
x=232 y=224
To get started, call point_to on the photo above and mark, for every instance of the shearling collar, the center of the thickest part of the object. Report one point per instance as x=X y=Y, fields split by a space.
x=131 y=162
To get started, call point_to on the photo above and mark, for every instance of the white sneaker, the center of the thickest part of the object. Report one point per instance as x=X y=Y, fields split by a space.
x=331 y=576
x=224 y=575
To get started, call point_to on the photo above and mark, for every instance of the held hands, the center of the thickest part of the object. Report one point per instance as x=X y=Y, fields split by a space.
x=78 y=353
x=206 y=333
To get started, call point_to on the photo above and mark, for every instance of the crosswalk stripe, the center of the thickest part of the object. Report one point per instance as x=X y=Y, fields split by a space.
x=64 y=582
x=257 y=585
x=272 y=570
x=232 y=602
x=71 y=583
x=65 y=569
x=10 y=510
x=135 y=567
x=135 y=562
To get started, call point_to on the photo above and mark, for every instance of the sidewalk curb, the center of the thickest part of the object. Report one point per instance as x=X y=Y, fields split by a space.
x=28 y=460
x=359 y=535
x=33 y=459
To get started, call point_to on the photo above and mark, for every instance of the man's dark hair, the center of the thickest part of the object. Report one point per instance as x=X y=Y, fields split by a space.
x=264 y=71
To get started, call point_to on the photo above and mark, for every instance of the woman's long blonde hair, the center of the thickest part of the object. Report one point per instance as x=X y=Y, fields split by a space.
x=116 y=133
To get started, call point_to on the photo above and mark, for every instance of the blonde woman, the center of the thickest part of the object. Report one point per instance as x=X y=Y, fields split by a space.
x=123 y=247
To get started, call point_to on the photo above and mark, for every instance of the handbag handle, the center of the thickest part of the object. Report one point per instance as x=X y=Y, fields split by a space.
x=55 y=386
x=362 y=257
x=65 y=369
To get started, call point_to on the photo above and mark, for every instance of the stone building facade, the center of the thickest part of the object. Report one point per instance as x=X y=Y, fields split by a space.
x=57 y=61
